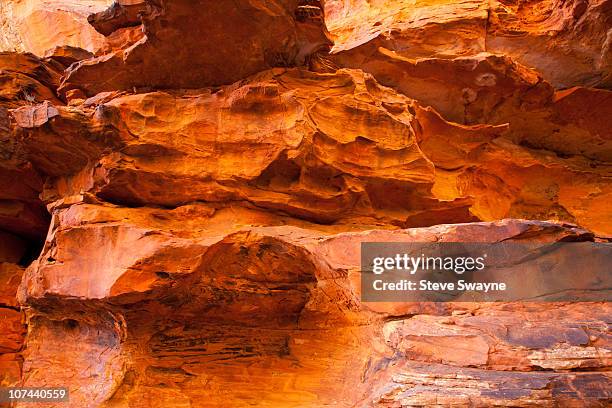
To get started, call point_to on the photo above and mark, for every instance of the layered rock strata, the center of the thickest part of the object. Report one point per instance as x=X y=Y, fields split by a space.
x=184 y=188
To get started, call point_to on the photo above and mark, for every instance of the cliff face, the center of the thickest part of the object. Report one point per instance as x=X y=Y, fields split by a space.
x=184 y=187
x=39 y=26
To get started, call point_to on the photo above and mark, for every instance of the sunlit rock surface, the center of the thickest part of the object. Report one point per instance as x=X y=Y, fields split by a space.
x=204 y=302
x=265 y=34
x=184 y=188
x=568 y=41
x=39 y=26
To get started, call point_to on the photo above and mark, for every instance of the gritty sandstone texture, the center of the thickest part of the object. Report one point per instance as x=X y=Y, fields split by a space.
x=184 y=187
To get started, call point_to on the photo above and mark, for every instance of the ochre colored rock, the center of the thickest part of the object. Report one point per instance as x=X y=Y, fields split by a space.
x=566 y=41
x=11 y=317
x=38 y=26
x=24 y=221
x=67 y=55
x=12 y=330
x=10 y=278
x=27 y=80
x=508 y=338
x=321 y=147
x=469 y=89
x=421 y=29
x=185 y=187
x=117 y=16
x=192 y=313
x=427 y=385
x=24 y=81
x=494 y=89
x=266 y=34
x=10 y=369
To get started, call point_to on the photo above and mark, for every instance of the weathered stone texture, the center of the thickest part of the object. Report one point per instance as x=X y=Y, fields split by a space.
x=185 y=185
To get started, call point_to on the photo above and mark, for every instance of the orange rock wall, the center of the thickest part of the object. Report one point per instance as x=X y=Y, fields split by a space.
x=39 y=26
x=184 y=187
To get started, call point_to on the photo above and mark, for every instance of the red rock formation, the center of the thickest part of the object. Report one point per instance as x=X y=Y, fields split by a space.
x=266 y=34
x=568 y=41
x=271 y=315
x=38 y=26
x=11 y=317
x=182 y=204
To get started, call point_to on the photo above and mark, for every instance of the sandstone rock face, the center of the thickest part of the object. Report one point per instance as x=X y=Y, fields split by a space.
x=201 y=305
x=320 y=147
x=12 y=319
x=266 y=34
x=185 y=186
x=567 y=41
x=39 y=26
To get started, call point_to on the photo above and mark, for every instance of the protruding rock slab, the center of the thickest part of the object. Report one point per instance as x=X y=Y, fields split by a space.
x=567 y=42
x=208 y=199
x=265 y=34
x=327 y=148
x=38 y=26
x=193 y=311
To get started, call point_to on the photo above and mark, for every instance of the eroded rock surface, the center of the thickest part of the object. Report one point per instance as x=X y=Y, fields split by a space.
x=202 y=305
x=266 y=34
x=39 y=26
x=320 y=147
x=12 y=318
x=567 y=41
x=184 y=192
